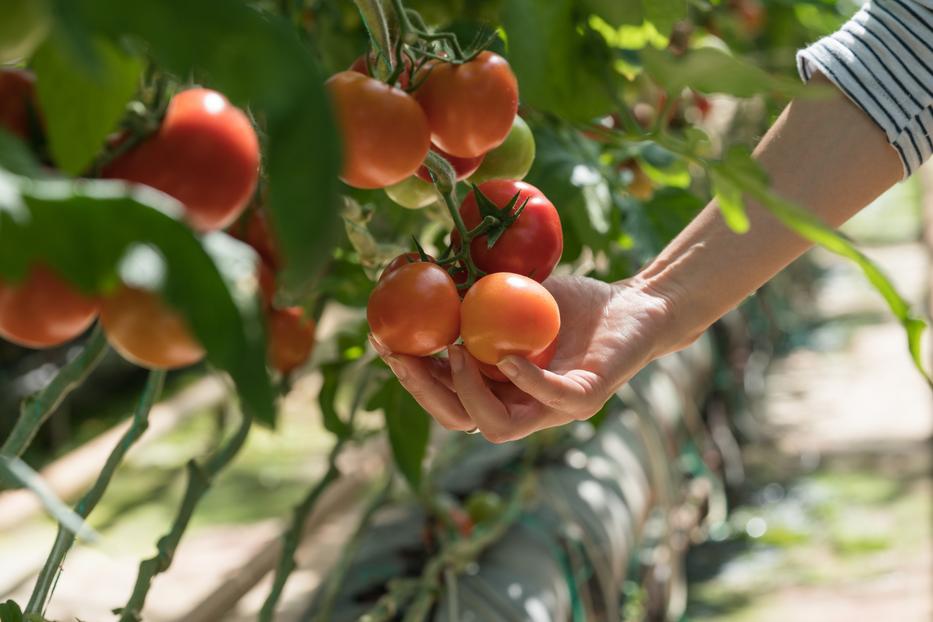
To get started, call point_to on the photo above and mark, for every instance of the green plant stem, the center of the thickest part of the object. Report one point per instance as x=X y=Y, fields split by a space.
x=459 y=553
x=336 y=576
x=446 y=183
x=64 y=539
x=37 y=408
x=291 y=538
x=199 y=481
x=400 y=592
x=408 y=28
x=452 y=558
x=377 y=25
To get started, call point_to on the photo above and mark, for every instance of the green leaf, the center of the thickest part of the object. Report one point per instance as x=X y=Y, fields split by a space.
x=670 y=210
x=256 y=59
x=663 y=167
x=710 y=70
x=566 y=172
x=16 y=157
x=327 y=399
x=10 y=612
x=90 y=231
x=747 y=177
x=729 y=198
x=616 y=12
x=82 y=107
x=560 y=67
x=664 y=13
x=408 y=425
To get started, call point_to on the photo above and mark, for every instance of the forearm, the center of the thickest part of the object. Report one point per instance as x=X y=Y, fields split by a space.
x=827 y=156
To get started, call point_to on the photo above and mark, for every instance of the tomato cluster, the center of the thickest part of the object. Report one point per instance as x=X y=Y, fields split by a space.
x=486 y=291
x=463 y=111
x=205 y=154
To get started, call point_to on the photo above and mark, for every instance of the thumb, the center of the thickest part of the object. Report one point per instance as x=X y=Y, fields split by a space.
x=551 y=389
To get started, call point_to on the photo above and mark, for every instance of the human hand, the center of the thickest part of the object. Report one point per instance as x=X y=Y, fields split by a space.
x=608 y=333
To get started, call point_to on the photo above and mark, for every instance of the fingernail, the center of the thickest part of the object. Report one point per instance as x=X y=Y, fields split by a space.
x=398 y=368
x=456 y=359
x=378 y=347
x=508 y=367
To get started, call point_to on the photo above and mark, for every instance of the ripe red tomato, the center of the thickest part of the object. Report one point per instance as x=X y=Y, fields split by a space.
x=146 y=331
x=402 y=260
x=531 y=246
x=463 y=167
x=415 y=309
x=206 y=155
x=17 y=98
x=43 y=310
x=470 y=107
x=508 y=314
x=255 y=230
x=404 y=80
x=541 y=359
x=385 y=133
x=291 y=338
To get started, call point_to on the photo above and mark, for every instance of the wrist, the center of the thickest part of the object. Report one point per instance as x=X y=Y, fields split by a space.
x=668 y=313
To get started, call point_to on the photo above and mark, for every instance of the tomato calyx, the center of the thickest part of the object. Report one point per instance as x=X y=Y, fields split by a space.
x=496 y=220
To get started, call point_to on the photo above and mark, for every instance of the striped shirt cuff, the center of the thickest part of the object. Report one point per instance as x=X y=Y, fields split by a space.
x=882 y=59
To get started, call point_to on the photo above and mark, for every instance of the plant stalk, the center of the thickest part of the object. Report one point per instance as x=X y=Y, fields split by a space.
x=37 y=408
x=199 y=481
x=64 y=539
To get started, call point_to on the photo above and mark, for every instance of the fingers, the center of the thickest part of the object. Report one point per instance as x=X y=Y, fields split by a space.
x=561 y=392
x=486 y=410
x=438 y=400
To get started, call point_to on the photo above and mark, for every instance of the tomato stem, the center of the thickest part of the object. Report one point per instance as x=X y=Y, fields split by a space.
x=446 y=182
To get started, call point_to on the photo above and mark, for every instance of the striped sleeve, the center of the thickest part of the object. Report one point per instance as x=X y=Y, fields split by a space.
x=882 y=59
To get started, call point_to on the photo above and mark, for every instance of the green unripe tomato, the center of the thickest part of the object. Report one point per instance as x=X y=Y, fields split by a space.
x=510 y=160
x=23 y=26
x=412 y=193
x=484 y=506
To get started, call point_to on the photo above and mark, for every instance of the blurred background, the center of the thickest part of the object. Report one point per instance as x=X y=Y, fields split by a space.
x=781 y=469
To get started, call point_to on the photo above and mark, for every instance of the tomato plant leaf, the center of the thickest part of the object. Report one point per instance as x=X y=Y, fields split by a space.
x=327 y=397
x=670 y=210
x=86 y=230
x=80 y=107
x=560 y=67
x=663 y=14
x=408 y=426
x=257 y=60
x=746 y=177
x=10 y=612
x=729 y=198
x=711 y=70
x=16 y=157
x=616 y=12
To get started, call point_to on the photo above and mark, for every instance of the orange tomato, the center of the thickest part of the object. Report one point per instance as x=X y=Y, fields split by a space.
x=508 y=314
x=146 y=331
x=415 y=309
x=470 y=107
x=385 y=133
x=43 y=310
